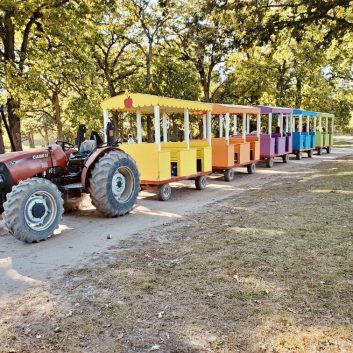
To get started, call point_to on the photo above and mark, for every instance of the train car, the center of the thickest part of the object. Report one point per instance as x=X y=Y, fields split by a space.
x=236 y=149
x=304 y=137
x=277 y=143
x=163 y=162
x=324 y=133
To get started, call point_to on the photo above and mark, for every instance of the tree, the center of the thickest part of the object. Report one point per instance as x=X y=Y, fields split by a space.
x=21 y=24
x=205 y=39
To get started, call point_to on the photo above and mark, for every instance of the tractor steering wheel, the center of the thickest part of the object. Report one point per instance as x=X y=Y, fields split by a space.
x=65 y=145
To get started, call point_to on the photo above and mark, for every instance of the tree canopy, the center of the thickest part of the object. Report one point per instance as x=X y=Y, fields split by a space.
x=60 y=58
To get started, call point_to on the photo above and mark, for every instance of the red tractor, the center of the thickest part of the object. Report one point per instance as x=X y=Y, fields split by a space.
x=35 y=184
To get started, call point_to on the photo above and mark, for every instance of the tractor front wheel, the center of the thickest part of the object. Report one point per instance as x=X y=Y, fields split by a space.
x=33 y=210
x=114 y=184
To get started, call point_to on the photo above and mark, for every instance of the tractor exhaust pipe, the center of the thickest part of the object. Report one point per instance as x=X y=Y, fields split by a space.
x=81 y=135
x=110 y=130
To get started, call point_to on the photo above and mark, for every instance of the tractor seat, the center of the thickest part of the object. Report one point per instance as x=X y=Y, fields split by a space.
x=86 y=148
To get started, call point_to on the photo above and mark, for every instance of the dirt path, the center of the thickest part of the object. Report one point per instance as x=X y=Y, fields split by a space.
x=266 y=268
x=84 y=233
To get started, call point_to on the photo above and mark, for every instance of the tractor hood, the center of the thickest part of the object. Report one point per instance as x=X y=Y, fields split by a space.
x=14 y=156
x=28 y=164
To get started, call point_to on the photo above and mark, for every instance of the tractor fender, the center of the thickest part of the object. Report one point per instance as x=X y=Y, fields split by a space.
x=92 y=160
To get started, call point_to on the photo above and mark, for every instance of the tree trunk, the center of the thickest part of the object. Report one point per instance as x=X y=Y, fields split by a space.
x=8 y=39
x=298 y=98
x=148 y=64
x=175 y=130
x=14 y=125
x=2 y=145
x=31 y=140
x=57 y=115
x=46 y=136
x=149 y=129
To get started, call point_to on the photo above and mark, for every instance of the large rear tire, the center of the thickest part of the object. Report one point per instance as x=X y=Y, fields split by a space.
x=33 y=210
x=114 y=184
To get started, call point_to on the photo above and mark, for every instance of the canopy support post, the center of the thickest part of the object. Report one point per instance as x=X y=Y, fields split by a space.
x=308 y=123
x=209 y=134
x=157 y=127
x=165 y=129
x=139 y=127
x=105 y=122
x=204 y=127
x=248 y=124
x=186 y=128
x=332 y=125
x=244 y=126
x=258 y=124
x=221 y=125
x=314 y=129
x=270 y=124
x=281 y=123
x=287 y=117
x=227 y=128
x=326 y=124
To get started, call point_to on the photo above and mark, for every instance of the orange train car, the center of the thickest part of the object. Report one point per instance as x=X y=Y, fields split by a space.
x=239 y=147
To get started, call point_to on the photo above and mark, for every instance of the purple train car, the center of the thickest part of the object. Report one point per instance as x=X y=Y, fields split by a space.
x=277 y=143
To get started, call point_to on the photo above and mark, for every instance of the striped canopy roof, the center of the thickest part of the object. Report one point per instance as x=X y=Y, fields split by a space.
x=275 y=110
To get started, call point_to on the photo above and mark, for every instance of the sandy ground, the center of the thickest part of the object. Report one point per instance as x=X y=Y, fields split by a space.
x=83 y=234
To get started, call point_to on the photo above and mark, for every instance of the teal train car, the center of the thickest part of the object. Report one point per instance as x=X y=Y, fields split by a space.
x=304 y=132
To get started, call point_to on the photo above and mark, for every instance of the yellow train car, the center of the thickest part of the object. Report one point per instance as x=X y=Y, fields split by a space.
x=163 y=162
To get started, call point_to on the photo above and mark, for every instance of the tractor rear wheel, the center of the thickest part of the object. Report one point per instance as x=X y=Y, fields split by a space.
x=285 y=158
x=328 y=149
x=114 y=184
x=33 y=210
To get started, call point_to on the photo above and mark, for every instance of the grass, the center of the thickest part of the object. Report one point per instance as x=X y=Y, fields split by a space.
x=273 y=276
